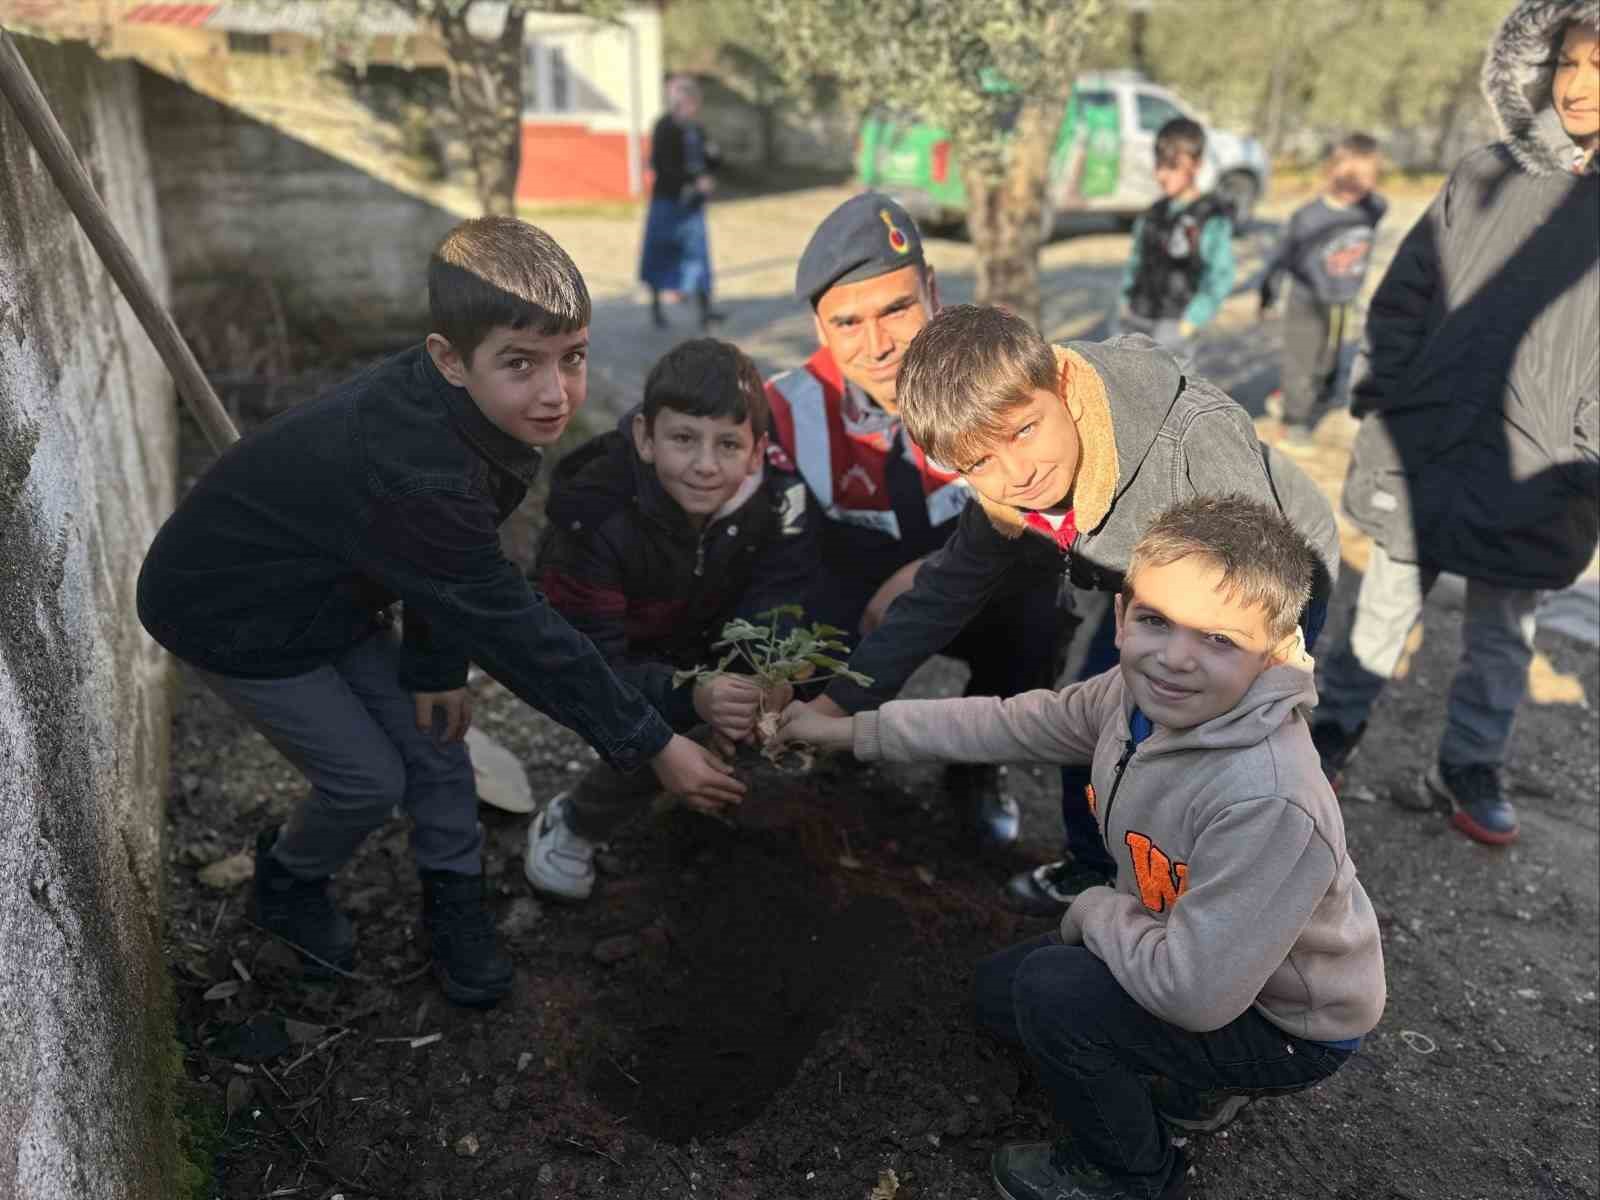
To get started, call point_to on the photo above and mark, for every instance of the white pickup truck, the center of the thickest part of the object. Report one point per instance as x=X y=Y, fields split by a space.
x=1103 y=161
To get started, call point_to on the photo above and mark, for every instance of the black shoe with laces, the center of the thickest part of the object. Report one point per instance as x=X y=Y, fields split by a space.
x=300 y=912
x=1048 y=890
x=1055 y=1171
x=466 y=953
x=1189 y=1111
x=1477 y=799
x=979 y=796
x=1336 y=746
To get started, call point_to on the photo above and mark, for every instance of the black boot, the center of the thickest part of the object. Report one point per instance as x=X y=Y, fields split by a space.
x=708 y=315
x=981 y=801
x=299 y=911
x=466 y=955
x=656 y=315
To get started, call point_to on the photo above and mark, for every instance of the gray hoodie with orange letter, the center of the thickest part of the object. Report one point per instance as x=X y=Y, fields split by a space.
x=1234 y=888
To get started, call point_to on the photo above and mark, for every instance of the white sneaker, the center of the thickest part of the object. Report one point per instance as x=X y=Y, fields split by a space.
x=559 y=862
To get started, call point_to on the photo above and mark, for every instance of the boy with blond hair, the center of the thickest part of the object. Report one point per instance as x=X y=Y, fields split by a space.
x=275 y=576
x=1070 y=451
x=1236 y=954
x=1325 y=252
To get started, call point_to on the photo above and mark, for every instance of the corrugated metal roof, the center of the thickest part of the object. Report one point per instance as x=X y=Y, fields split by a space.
x=310 y=19
x=169 y=14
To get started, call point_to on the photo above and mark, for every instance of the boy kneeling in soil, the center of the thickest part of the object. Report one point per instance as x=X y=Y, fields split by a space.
x=1071 y=451
x=1236 y=955
x=274 y=577
x=660 y=532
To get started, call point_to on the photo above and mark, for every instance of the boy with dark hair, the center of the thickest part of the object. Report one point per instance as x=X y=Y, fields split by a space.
x=659 y=532
x=1478 y=385
x=1070 y=451
x=1236 y=955
x=1325 y=251
x=1180 y=259
x=275 y=576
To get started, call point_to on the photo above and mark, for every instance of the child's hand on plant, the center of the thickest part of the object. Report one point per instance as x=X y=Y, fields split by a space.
x=729 y=704
x=802 y=723
x=705 y=782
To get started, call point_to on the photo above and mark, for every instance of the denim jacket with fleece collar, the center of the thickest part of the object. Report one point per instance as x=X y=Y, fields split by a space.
x=391 y=486
x=1151 y=436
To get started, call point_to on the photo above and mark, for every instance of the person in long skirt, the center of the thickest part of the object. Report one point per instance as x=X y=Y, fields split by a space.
x=677 y=252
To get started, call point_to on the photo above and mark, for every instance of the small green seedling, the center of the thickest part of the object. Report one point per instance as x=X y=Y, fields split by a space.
x=799 y=654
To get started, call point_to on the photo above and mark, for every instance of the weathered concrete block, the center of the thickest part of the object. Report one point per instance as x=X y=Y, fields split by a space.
x=87 y=454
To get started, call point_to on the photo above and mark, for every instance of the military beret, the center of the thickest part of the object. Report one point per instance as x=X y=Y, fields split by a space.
x=866 y=236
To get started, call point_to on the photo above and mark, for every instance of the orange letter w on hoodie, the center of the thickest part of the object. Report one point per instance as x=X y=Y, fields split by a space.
x=1160 y=882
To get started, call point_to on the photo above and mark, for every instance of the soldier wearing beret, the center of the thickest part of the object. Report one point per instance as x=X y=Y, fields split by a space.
x=886 y=506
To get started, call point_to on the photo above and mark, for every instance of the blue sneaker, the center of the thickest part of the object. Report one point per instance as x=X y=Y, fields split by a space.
x=1478 y=804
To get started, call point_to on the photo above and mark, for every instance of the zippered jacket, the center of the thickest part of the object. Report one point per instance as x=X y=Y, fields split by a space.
x=621 y=561
x=1151 y=437
x=1234 y=886
x=392 y=486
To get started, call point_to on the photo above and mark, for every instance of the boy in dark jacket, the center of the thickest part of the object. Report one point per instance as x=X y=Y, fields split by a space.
x=1325 y=251
x=274 y=577
x=1479 y=385
x=1071 y=451
x=659 y=532
x=1236 y=954
x=1180 y=259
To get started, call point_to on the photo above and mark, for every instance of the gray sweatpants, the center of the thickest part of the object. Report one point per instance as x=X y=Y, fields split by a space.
x=1497 y=648
x=350 y=729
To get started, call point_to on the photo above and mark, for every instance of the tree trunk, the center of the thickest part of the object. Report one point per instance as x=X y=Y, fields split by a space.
x=486 y=85
x=1004 y=211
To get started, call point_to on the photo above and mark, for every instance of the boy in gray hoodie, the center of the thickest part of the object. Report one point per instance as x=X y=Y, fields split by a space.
x=1236 y=955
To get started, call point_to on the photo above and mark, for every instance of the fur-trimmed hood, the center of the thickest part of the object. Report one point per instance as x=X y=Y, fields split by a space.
x=1517 y=73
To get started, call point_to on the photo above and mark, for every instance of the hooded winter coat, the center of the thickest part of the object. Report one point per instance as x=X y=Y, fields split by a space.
x=1479 y=376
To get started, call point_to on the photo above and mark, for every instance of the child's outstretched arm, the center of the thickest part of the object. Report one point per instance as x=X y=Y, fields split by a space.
x=801 y=723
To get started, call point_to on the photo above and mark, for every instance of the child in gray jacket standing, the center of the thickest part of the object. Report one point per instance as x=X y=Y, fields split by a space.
x=1237 y=954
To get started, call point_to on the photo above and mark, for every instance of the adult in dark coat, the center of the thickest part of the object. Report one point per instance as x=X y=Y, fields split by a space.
x=1479 y=389
x=677 y=252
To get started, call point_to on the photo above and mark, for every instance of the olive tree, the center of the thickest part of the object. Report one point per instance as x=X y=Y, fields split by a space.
x=995 y=75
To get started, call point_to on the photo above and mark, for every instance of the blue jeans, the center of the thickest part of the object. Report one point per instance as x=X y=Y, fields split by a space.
x=1081 y=835
x=1092 y=1044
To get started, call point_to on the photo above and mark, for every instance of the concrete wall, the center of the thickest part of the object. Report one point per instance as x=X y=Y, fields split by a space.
x=265 y=233
x=87 y=452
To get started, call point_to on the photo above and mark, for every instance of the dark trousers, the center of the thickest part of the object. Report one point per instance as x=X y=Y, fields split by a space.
x=1312 y=336
x=350 y=729
x=1081 y=840
x=1092 y=1045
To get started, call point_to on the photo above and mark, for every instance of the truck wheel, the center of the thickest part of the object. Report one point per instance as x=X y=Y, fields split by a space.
x=1241 y=191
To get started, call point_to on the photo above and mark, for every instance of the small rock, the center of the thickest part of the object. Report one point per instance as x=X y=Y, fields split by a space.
x=573 y=766
x=523 y=1060
x=502 y=1097
x=229 y=872
x=615 y=949
x=1359 y=795
x=547 y=1174
x=521 y=915
x=467 y=1145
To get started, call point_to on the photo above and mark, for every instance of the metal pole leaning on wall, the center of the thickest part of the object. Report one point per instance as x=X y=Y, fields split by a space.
x=44 y=131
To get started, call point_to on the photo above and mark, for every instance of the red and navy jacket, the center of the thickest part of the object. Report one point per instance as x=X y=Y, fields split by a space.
x=842 y=444
x=622 y=563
